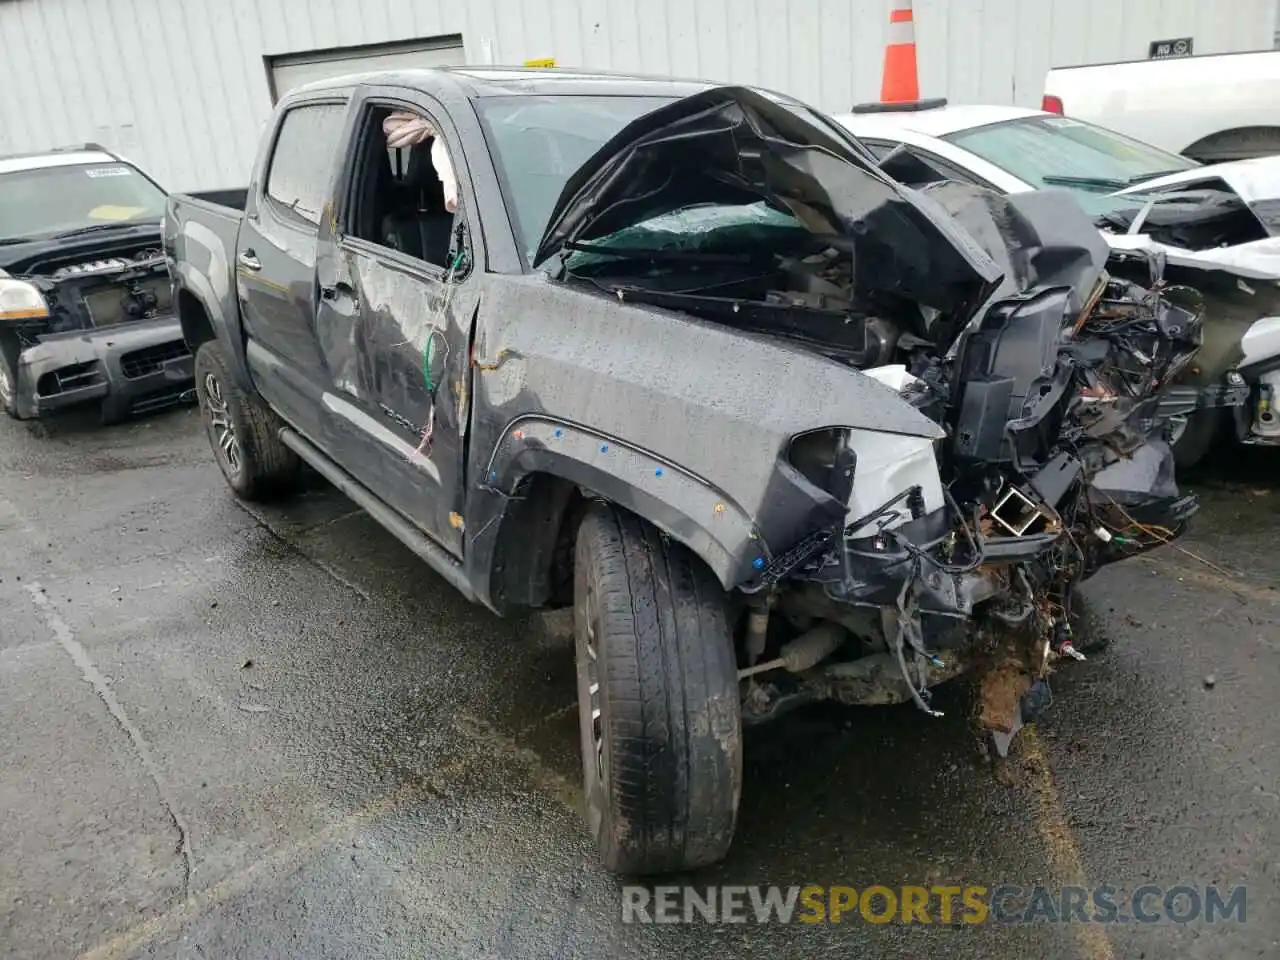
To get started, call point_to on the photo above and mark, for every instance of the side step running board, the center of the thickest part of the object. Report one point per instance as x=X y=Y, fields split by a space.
x=435 y=556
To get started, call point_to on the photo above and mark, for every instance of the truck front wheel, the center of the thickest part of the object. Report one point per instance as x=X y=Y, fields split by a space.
x=243 y=431
x=657 y=698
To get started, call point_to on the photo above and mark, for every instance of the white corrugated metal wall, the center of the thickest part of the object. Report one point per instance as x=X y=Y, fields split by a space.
x=181 y=85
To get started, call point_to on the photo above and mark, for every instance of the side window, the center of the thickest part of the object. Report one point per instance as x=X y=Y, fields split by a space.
x=949 y=171
x=405 y=196
x=916 y=166
x=302 y=161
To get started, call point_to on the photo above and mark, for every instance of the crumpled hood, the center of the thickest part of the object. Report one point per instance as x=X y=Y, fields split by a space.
x=1042 y=238
x=1256 y=180
x=732 y=145
x=1259 y=260
x=1254 y=183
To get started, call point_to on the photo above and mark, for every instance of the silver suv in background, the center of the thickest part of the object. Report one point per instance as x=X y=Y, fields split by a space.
x=85 y=302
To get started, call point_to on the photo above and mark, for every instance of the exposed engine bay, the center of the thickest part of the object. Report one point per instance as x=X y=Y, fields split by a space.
x=118 y=285
x=92 y=322
x=1042 y=368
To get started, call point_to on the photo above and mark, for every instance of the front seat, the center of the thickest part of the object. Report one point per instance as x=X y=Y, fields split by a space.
x=418 y=224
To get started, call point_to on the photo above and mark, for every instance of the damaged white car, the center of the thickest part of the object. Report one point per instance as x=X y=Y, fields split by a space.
x=1217 y=227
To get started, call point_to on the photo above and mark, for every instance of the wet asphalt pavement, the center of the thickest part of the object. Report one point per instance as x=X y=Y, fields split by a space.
x=277 y=734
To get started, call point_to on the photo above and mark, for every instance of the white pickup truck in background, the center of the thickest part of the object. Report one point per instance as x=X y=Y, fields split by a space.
x=1210 y=108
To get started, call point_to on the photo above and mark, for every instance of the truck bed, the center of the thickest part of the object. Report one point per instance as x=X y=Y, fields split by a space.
x=232 y=200
x=200 y=233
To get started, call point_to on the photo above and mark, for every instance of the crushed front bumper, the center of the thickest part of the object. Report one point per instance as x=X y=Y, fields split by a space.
x=871 y=571
x=874 y=569
x=127 y=369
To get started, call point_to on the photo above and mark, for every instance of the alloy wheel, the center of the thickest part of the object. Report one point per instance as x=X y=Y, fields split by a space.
x=222 y=429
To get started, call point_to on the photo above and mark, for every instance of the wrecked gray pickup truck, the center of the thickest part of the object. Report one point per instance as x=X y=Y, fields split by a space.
x=84 y=289
x=778 y=428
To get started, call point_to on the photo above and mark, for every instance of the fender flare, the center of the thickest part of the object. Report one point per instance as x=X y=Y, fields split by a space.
x=686 y=507
x=200 y=284
x=1268 y=135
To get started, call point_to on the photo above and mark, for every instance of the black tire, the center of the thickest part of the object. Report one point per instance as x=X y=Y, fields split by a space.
x=1088 y=630
x=1198 y=437
x=10 y=348
x=256 y=464
x=663 y=778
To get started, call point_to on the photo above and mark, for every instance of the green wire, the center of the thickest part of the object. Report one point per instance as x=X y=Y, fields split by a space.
x=429 y=348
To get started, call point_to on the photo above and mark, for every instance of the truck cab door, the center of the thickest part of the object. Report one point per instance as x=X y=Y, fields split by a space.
x=397 y=299
x=276 y=262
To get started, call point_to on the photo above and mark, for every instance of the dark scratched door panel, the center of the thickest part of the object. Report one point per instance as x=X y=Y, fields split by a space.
x=396 y=360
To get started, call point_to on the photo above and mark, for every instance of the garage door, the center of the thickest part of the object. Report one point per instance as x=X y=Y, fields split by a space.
x=294 y=69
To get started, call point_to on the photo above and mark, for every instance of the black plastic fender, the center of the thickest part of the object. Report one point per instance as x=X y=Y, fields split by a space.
x=201 y=275
x=686 y=507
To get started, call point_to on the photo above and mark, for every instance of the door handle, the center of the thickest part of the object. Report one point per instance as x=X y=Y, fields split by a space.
x=249 y=261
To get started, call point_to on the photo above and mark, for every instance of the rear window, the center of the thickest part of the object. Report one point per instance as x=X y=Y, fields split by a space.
x=1040 y=150
x=303 y=158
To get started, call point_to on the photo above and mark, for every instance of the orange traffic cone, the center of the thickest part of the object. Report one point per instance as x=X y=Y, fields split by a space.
x=900 y=83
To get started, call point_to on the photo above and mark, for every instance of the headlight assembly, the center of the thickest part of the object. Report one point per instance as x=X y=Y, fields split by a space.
x=20 y=300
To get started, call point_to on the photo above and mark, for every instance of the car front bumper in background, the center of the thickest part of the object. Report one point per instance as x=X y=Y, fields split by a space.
x=127 y=369
x=1181 y=400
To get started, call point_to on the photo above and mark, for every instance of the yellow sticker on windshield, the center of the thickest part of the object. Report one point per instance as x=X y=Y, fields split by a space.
x=110 y=212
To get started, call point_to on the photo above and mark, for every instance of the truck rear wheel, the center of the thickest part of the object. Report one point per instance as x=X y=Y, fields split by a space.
x=657 y=698
x=243 y=431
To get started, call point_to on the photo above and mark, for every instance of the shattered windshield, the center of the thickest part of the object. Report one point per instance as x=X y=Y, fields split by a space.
x=50 y=200
x=704 y=229
x=1061 y=152
x=538 y=142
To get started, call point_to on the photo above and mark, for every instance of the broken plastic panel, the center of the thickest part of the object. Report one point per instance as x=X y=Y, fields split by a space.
x=994 y=315
x=1017 y=513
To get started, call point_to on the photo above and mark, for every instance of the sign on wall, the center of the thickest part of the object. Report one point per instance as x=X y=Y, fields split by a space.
x=1162 y=49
